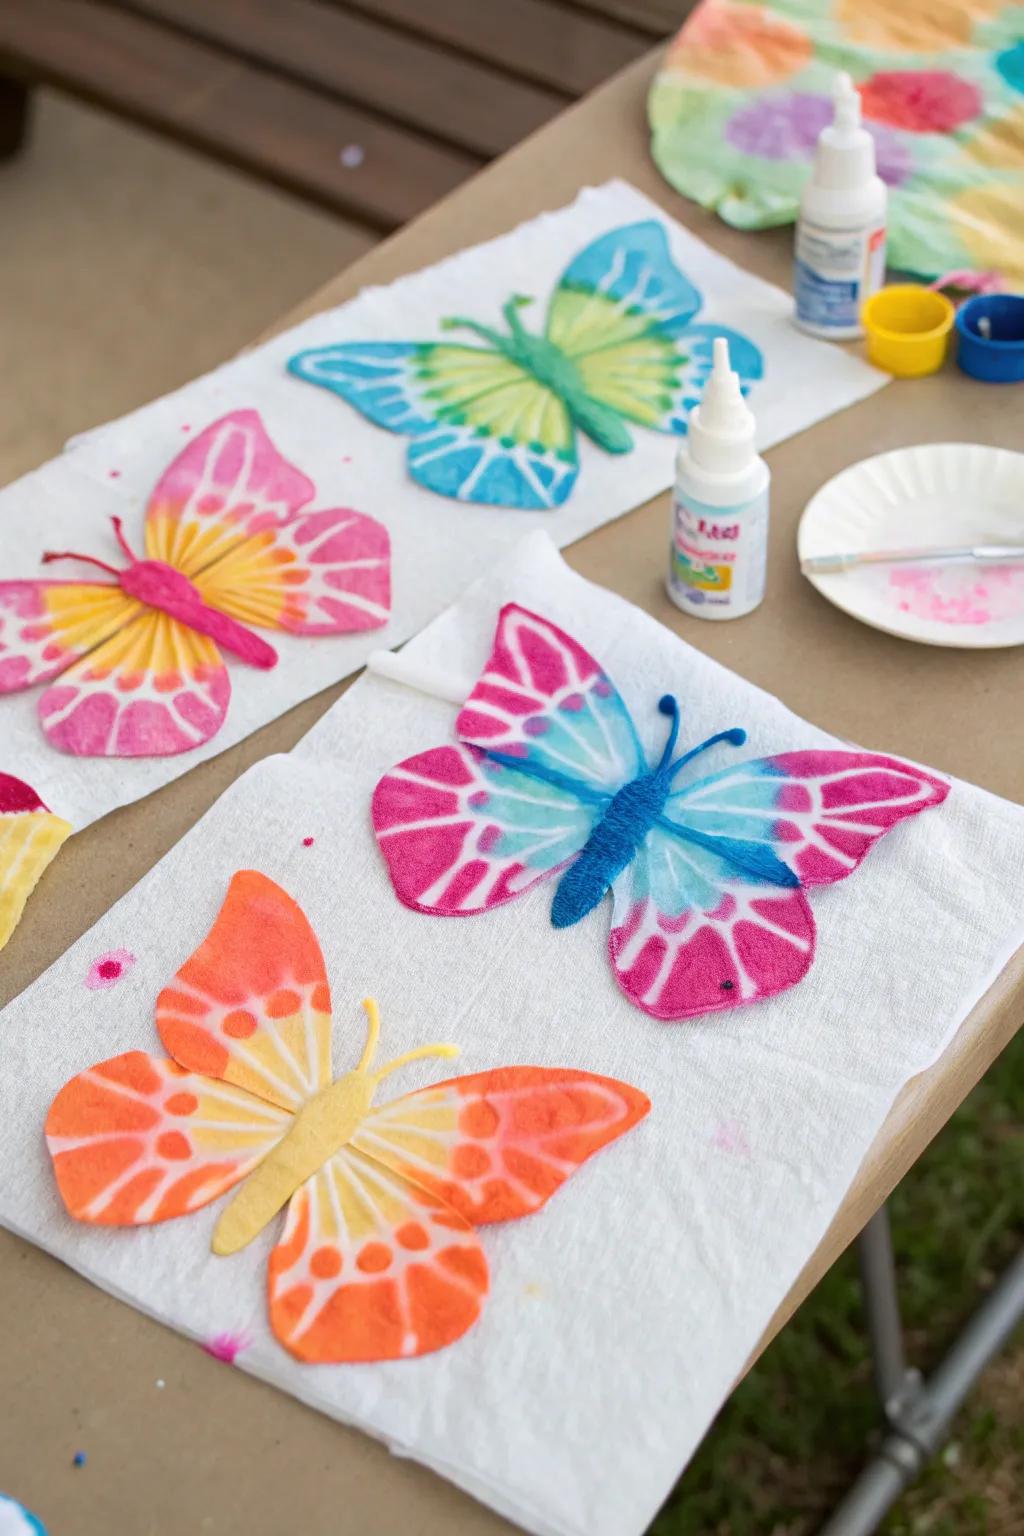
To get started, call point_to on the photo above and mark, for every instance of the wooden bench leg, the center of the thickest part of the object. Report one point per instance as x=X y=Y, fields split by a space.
x=15 y=98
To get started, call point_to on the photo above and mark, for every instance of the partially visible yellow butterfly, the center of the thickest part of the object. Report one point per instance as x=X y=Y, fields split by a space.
x=379 y=1258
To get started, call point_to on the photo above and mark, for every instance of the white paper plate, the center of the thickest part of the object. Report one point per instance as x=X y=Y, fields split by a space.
x=935 y=494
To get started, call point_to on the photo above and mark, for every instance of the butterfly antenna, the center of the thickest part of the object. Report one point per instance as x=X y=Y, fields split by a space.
x=372 y=1033
x=119 y=534
x=417 y=1055
x=735 y=738
x=668 y=704
x=50 y=555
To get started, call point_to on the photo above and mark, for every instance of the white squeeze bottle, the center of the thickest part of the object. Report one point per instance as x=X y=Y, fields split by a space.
x=840 y=234
x=720 y=505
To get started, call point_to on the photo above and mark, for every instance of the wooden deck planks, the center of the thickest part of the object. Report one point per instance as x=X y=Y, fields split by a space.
x=265 y=124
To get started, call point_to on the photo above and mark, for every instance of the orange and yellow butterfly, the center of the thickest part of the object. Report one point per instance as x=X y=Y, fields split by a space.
x=379 y=1258
x=134 y=664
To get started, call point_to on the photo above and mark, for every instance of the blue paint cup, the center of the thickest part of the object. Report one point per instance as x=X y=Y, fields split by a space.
x=990 y=337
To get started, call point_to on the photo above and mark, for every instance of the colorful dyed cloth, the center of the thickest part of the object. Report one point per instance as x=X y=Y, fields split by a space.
x=744 y=91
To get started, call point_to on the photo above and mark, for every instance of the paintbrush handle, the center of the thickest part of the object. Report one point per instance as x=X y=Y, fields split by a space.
x=967 y=554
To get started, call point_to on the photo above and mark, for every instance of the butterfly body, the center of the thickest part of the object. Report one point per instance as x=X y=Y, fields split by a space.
x=707 y=876
x=496 y=423
x=165 y=589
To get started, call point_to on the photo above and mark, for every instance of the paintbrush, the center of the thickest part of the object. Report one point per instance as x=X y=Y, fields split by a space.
x=962 y=554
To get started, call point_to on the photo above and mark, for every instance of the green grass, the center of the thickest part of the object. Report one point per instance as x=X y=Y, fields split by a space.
x=793 y=1435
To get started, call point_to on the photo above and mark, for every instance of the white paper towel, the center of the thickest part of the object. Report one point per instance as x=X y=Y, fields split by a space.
x=621 y=1314
x=438 y=545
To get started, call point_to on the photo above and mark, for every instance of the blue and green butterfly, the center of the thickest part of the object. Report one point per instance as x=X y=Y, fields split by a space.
x=497 y=423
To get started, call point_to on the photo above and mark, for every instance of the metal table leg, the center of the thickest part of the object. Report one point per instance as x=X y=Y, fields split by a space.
x=917 y=1412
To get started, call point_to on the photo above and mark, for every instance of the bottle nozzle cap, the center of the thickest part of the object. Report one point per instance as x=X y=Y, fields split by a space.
x=721 y=427
x=845 y=102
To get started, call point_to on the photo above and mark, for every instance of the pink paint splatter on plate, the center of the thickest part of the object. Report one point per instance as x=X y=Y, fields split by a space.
x=107 y=970
x=226 y=1346
x=729 y=1136
x=959 y=596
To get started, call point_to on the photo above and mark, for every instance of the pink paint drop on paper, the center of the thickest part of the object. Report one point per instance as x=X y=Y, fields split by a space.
x=226 y=1346
x=107 y=970
x=729 y=1136
x=959 y=595
x=114 y=474
x=307 y=842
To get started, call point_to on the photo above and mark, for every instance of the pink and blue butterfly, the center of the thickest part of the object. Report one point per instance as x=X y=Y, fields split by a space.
x=708 y=875
x=498 y=423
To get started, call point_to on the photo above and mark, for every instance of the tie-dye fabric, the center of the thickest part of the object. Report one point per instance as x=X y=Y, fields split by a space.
x=744 y=91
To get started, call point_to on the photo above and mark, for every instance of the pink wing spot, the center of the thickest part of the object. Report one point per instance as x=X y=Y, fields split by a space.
x=603 y=688
x=793 y=797
x=504 y=698
x=478 y=800
x=14 y=671
x=573 y=703
x=537 y=725
x=226 y=1346
x=107 y=970
x=544 y=662
x=488 y=837
x=816 y=868
x=725 y=909
x=786 y=832
x=867 y=786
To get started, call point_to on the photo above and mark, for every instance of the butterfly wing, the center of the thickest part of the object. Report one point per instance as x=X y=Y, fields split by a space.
x=30 y=838
x=137 y=1139
x=155 y=688
x=546 y=741
x=45 y=626
x=497 y=1145
x=622 y=312
x=695 y=929
x=372 y=1266
x=322 y=573
x=228 y=513
x=229 y=484
x=483 y=428
x=252 y=1006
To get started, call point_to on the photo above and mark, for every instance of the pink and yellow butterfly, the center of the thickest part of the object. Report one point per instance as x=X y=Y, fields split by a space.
x=707 y=873
x=379 y=1258
x=228 y=543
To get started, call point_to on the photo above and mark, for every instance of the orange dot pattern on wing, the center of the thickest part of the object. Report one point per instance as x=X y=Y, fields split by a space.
x=120 y=1154
x=520 y=1132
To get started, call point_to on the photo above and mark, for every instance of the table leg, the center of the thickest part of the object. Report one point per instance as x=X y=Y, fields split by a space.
x=917 y=1412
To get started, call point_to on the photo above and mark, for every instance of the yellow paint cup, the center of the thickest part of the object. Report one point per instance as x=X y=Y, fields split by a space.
x=908 y=329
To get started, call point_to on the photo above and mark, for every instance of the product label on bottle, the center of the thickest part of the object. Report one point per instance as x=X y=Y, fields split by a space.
x=718 y=555
x=836 y=270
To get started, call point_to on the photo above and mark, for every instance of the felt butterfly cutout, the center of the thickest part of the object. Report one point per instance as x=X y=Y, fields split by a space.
x=707 y=877
x=227 y=544
x=379 y=1258
x=497 y=423
x=31 y=836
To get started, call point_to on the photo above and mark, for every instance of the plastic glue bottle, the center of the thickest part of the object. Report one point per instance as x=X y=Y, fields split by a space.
x=840 y=234
x=720 y=505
